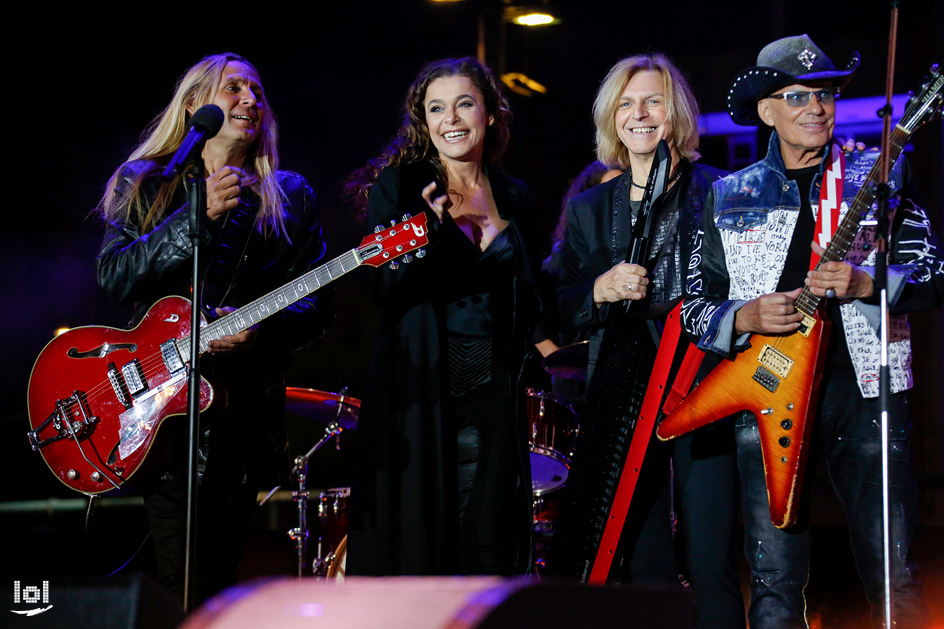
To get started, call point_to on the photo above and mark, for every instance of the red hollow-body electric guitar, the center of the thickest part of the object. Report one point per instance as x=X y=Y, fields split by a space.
x=98 y=395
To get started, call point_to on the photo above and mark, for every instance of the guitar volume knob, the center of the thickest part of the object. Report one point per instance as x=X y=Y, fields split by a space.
x=72 y=475
x=784 y=441
x=96 y=477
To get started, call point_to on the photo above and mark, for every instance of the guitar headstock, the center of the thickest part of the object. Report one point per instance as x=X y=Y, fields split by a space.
x=927 y=104
x=399 y=239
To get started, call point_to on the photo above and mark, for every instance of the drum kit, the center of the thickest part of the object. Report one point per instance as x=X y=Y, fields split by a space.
x=554 y=427
x=337 y=412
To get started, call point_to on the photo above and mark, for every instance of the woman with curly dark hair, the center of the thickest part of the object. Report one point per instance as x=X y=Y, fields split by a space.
x=442 y=484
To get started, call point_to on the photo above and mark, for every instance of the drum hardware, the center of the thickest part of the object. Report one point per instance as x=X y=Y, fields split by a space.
x=338 y=412
x=299 y=534
x=544 y=525
x=545 y=515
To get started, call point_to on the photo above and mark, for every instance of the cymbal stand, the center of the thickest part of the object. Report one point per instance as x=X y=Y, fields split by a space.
x=300 y=496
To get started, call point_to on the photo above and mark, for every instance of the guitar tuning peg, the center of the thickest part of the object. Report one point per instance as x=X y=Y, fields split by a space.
x=405 y=217
x=407 y=259
x=421 y=253
x=394 y=265
x=393 y=223
x=378 y=229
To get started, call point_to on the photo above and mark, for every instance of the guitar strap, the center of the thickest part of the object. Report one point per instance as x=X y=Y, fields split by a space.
x=830 y=196
x=641 y=438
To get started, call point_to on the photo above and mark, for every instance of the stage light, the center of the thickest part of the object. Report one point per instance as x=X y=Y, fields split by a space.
x=534 y=19
x=529 y=16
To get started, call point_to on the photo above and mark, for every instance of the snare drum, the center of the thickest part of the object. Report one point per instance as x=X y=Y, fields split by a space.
x=554 y=431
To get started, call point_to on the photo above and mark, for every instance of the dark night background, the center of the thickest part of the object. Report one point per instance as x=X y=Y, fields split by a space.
x=85 y=84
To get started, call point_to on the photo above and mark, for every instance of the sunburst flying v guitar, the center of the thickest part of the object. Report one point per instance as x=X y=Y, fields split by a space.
x=777 y=377
x=98 y=395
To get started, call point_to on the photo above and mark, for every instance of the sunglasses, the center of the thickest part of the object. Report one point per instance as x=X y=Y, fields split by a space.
x=799 y=99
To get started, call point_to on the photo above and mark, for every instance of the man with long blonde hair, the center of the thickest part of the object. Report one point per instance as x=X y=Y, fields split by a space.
x=262 y=231
x=644 y=99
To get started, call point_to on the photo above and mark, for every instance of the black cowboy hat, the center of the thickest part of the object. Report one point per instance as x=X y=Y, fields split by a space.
x=781 y=63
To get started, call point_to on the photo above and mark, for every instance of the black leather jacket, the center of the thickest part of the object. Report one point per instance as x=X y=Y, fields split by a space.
x=139 y=269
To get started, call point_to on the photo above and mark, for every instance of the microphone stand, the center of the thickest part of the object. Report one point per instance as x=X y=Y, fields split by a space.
x=882 y=193
x=198 y=208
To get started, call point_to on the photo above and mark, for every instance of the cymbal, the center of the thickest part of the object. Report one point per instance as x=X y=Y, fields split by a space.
x=569 y=362
x=323 y=406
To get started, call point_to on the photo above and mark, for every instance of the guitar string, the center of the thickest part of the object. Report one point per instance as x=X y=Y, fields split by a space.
x=846 y=231
x=152 y=365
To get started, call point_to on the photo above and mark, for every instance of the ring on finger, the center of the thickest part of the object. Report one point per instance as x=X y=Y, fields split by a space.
x=830 y=293
x=629 y=287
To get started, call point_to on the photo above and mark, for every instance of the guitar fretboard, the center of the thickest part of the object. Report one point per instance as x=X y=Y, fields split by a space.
x=271 y=303
x=845 y=234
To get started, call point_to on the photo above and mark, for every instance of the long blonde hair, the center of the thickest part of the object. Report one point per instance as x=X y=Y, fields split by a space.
x=681 y=108
x=125 y=203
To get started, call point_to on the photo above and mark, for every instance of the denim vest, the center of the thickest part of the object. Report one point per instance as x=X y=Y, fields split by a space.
x=756 y=211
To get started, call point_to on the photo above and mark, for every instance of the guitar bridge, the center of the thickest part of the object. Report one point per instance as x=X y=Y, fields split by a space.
x=62 y=422
x=766 y=379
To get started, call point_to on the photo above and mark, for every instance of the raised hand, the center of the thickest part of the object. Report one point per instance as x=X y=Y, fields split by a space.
x=223 y=189
x=437 y=204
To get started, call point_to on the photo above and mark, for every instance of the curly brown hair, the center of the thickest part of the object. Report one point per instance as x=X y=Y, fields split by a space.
x=412 y=142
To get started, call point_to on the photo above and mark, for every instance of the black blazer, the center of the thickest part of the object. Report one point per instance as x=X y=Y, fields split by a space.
x=593 y=243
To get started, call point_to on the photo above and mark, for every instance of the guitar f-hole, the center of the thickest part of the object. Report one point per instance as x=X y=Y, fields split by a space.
x=101 y=351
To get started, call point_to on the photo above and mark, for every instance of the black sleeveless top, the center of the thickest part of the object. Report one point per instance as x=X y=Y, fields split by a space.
x=479 y=312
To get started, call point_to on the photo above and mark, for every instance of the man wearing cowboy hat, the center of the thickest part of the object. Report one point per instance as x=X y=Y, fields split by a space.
x=756 y=256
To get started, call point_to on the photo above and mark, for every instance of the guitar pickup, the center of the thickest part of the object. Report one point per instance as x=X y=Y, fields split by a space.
x=134 y=378
x=806 y=324
x=775 y=361
x=171 y=356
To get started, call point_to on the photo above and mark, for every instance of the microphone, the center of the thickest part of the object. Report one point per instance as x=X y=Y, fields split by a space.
x=205 y=123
